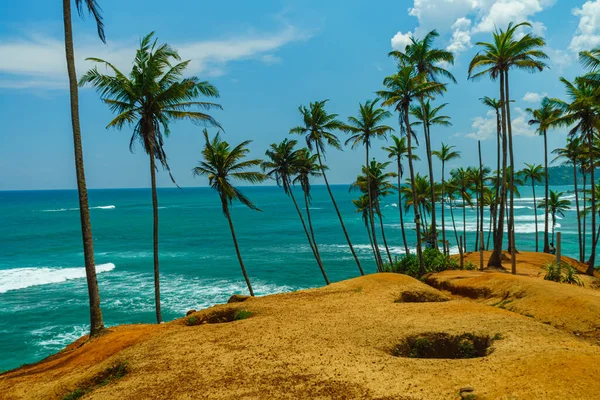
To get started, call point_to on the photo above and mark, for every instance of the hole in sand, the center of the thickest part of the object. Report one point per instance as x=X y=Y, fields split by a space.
x=420 y=297
x=217 y=317
x=444 y=345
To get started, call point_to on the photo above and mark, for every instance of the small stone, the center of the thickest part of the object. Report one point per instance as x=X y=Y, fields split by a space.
x=467 y=389
x=187 y=314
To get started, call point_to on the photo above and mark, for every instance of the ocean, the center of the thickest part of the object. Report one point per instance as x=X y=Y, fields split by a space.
x=43 y=295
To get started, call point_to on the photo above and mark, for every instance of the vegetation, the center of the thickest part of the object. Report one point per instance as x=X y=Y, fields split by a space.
x=109 y=375
x=562 y=272
x=433 y=259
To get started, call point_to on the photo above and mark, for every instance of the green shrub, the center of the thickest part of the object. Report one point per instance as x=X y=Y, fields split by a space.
x=191 y=321
x=469 y=266
x=242 y=314
x=433 y=260
x=562 y=273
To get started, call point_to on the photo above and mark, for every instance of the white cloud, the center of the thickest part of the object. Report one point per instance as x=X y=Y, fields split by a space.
x=484 y=128
x=501 y=12
x=532 y=97
x=520 y=124
x=401 y=40
x=461 y=37
x=39 y=62
x=587 y=35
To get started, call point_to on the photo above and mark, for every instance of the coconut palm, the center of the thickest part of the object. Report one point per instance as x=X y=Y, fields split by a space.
x=491 y=202
x=572 y=152
x=556 y=205
x=220 y=164
x=545 y=118
x=463 y=184
x=363 y=207
x=368 y=125
x=149 y=99
x=506 y=52
x=93 y=8
x=399 y=151
x=318 y=129
x=445 y=154
x=452 y=194
x=582 y=115
x=420 y=190
x=428 y=63
x=534 y=173
x=284 y=162
x=308 y=167
x=403 y=88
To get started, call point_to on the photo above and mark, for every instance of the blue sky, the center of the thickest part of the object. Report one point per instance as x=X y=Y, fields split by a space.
x=266 y=58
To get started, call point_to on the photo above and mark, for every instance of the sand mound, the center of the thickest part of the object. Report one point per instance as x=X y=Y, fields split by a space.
x=333 y=342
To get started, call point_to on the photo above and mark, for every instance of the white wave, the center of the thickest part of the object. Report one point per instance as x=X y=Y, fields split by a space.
x=21 y=278
x=109 y=207
x=53 y=338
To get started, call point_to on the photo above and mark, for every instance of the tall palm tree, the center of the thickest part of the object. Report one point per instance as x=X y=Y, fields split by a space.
x=428 y=63
x=496 y=106
x=582 y=114
x=284 y=162
x=420 y=190
x=365 y=127
x=403 y=88
x=149 y=99
x=556 y=205
x=363 y=207
x=572 y=153
x=545 y=118
x=220 y=164
x=507 y=51
x=92 y=7
x=533 y=172
x=399 y=151
x=445 y=154
x=308 y=167
x=490 y=201
x=318 y=129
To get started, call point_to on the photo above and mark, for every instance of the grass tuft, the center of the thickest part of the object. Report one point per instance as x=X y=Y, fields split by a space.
x=109 y=375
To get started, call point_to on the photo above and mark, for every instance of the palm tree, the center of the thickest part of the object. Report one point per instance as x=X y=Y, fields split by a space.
x=445 y=154
x=582 y=114
x=572 y=153
x=496 y=106
x=496 y=59
x=545 y=118
x=399 y=151
x=556 y=205
x=308 y=166
x=149 y=99
x=452 y=194
x=374 y=175
x=402 y=89
x=533 y=172
x=92 y=7
x=363 y=128
x=318 y=131
x=220 y=164
x=284 y=162
x=427 y=62
x=460 y=177
x=363 y=207
x=489 y=200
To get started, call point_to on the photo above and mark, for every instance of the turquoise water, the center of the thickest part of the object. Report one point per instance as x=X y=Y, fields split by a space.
x=43 y=296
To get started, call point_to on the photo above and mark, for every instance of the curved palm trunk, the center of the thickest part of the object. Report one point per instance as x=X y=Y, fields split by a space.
x=546 y=189
x=553 y=225
x=487 y=244
x=312 y=234
x=442 y=203
x=337 y=210
x=535 y=214
x=378 y=258
x=592 y=259
x=454 y=226
x=495 y=259
x=464 y=220
x=511 y=233
x=313 y=247
x=577 y=207
x=387 y=250
x=431 y=186
x=155 y=237
x=369 y=234
x=400 y=208
x=584 y=229
x=96 y=322
x=414 y=192
x=235 y=243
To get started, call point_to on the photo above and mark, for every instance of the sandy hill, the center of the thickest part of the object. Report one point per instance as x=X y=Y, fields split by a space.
x=357 y=339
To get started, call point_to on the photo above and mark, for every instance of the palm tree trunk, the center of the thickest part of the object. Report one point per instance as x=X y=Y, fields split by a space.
x=369 y=234
x=431 y=186
x=96 y=322
x=495 y=259
x=442 y=203
x=584 y=229
x=378 y=258
x=535 y=214
x=546 y=189
x=155 y=237
x=553 y=225
x=464 y=220
x=414 y=192
x=477 y=218
x=387 y=249
x=592 y=259
x=480 y=232
x=235 y=243
x=513 y=247
x=313 y=247
x=454 y=226
x=337 y=210
x=498 y=137
x=314 y=239
x=400 y=208
x=577 y=208
x=487 y=245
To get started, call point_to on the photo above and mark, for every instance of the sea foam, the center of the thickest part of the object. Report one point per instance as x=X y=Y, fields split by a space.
x=21 y=278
